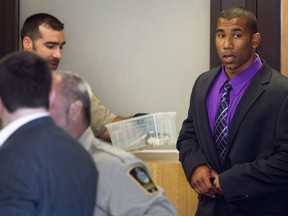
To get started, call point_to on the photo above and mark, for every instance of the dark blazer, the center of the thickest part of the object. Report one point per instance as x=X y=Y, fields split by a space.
x=44 y=172
x=254 y=178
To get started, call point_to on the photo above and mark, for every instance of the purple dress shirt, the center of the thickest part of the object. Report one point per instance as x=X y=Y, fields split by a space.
x=239 y=85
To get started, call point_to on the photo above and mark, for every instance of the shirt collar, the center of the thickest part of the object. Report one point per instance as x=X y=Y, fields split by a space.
x=86 y=139
x=242 y=79
x=8 y=130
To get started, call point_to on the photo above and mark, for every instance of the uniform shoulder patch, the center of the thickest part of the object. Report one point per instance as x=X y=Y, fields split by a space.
x=141 y=177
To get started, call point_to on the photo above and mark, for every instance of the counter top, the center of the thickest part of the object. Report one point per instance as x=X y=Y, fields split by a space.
x=158 y=155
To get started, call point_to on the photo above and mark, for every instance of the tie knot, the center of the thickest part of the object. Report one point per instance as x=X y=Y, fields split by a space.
x=227 y=86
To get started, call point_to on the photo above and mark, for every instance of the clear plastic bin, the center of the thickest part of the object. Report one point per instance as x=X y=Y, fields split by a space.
x=144 y=132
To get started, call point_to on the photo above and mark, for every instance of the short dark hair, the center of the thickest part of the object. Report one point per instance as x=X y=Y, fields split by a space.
x=73 y=88
x=31 y=25
x=25 y=81
x=240 y=12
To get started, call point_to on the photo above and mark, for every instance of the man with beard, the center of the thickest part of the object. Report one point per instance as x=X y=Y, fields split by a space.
x=43 y=34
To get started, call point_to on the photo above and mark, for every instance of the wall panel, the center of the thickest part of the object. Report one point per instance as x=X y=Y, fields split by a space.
x=9 y=19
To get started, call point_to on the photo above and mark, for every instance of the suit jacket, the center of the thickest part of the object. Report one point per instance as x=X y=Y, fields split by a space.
x=254 y=178
x=45 y=172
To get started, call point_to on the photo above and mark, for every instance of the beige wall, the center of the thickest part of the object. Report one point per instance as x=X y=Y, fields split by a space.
x=284 y=49
x=138 y=56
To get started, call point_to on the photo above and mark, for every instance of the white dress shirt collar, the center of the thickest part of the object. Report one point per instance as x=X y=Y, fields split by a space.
x=6 y=132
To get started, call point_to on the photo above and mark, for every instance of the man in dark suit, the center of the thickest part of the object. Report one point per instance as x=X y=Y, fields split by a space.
x=43 y=171
x=243 y=169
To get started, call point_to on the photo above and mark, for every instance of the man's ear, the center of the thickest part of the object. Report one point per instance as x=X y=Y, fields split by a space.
x=1 y=105
x=52 y=96
x=3 y=110
x=76 y=110
x=256 y=38
x=27 y=43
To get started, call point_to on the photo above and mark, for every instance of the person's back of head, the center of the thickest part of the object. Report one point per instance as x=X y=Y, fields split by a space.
x=25 y=81
x=242 y=13
x=31 y=25
x=73 y=113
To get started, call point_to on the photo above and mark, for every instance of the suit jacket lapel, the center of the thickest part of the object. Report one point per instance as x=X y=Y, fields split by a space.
x=210 y=148
x=252 y=93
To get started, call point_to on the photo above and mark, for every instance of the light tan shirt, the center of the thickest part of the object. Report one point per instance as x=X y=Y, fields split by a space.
x=100 y=115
